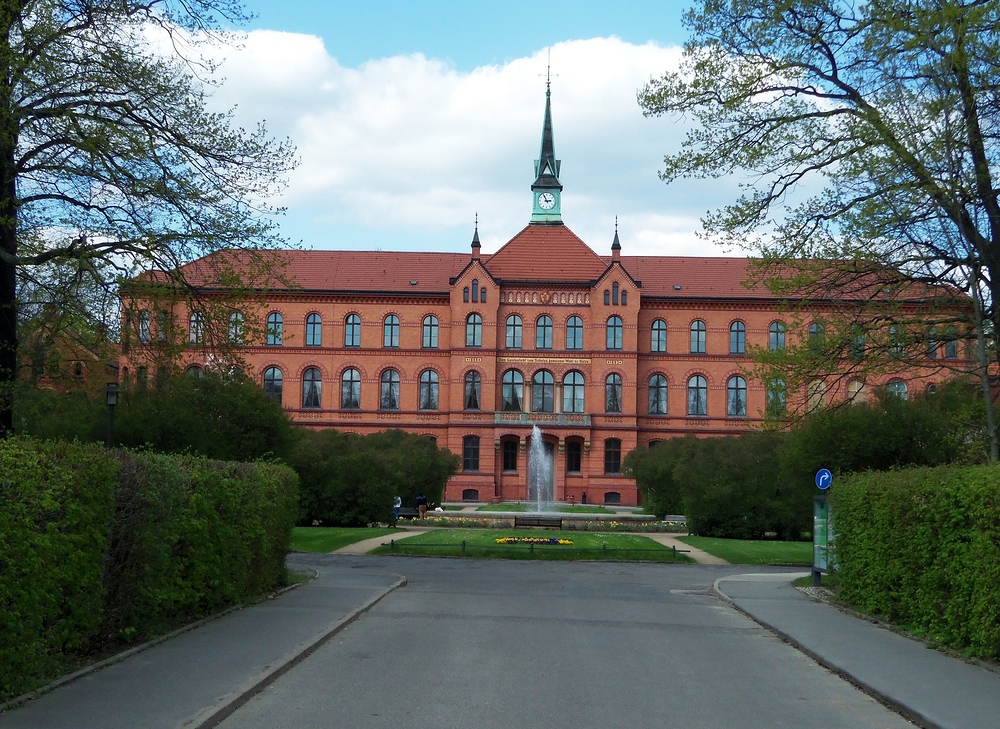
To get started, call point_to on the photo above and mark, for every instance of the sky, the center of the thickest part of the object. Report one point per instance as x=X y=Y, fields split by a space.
x=413 y=118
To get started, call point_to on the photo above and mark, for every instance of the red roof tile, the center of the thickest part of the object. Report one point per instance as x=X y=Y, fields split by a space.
x=546 y=253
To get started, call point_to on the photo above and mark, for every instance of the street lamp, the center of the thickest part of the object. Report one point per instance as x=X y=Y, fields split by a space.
x=111 y=397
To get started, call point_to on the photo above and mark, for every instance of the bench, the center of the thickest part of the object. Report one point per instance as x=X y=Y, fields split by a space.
x=408 y=512
x=534 y=520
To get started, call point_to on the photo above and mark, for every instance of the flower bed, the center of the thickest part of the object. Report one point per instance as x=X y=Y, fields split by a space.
x=533 y=540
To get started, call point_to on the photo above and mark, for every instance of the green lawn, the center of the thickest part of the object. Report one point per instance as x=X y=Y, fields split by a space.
x=481 y=543
x=327 y=539
x=749 y=551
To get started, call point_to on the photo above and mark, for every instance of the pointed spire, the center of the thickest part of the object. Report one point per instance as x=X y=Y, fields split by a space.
x=616 y=246
x=547 y=166
x=475 y=241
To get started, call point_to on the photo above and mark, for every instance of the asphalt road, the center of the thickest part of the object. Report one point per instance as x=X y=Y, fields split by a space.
x=511 y=645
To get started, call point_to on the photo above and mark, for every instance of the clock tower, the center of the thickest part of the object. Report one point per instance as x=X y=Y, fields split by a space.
x=546 y=190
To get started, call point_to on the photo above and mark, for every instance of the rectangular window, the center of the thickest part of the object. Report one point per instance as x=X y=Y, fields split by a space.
x=574 y=456
x=510 y=455
x=470 y=453
x=612 y=455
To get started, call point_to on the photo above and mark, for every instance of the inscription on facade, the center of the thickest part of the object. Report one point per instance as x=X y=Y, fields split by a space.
x=615 y=361
x=473 y=359
x=547 y=360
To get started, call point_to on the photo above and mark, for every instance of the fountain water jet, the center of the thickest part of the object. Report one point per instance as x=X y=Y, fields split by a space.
x=539 y=471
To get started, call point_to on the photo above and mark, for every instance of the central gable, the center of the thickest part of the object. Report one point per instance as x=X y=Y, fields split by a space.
x=546 y=253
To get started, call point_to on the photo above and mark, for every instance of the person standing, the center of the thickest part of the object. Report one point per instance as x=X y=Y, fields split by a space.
x=422 y=505
x=396 y=504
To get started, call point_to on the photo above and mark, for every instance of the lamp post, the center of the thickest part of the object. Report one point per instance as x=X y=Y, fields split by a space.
x=111 y=397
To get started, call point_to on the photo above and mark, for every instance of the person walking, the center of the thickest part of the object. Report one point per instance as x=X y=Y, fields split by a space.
x=422 y=505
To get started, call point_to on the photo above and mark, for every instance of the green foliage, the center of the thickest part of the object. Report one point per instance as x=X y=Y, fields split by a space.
x=98 y=547
x=727 y=487
x=55 y=505
x=227 y=418
x=351 y=480
x=54 y=415
x=919 y=547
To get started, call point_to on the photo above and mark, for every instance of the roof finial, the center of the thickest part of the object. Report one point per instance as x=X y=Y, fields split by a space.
x=616 y=245
x=475 y=237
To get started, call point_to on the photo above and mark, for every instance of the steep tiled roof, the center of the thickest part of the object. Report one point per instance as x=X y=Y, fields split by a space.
x=546 y=253
x=696 y=277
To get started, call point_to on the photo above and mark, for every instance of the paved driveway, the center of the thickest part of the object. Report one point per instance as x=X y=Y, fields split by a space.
x=512 y=645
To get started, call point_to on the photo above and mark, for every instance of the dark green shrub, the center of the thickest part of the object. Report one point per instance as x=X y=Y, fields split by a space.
x=55 y=505
x=921 y=548
x=351 y=480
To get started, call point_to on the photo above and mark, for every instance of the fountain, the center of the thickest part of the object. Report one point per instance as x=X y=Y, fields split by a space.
x=539 y=471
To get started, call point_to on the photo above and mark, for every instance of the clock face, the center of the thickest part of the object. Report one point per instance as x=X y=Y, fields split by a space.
x=546 y=201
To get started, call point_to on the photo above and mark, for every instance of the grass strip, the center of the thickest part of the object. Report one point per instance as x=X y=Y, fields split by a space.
x=327 y=539
x=754 y=551
x=563 y=509
x=481 y=544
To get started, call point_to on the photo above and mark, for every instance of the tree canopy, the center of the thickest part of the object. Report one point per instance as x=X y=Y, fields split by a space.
x=866 y=136
x=111 y=160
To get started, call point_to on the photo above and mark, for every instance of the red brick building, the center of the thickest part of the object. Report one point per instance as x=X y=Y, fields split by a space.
x=601 y=352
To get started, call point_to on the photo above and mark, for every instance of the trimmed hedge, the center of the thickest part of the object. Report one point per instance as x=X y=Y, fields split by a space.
x=99 y=547
x=921 y=548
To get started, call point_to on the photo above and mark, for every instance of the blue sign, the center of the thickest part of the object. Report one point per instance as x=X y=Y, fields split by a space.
x=824 y=478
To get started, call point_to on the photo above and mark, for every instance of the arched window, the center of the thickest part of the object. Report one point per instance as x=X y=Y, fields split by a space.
x=573 y=392
x=473 y=390
x=514 y=332
x=352 y=331
x=815 y=395
x=143 y=326
x=543 y=392
x=474 y=331
x=856 y=392
x=613 y=393
x=314 y=330
x=574 y=333
x=236 y=328
x=776 y=398
x=817 y=338
x=697 y=396
x=657 y=395
x=275 y=329
x=475 y=290
x=390 y=331
x=736 y=397
x=776 y=336
x=430 y=332
x=698 y=334
x=737 y=338
x=951 y=344
x=543 y=332
x=658 y=339
x=196 y=329
x=350 y=389
x=192 y=371
x=389 y=395
x=312 y=388
x=273 y=383
x=607 y=297
x=614 y=293
x=615 y=332
x=482 y=295
x=465 y=295
x=512 y=391
x=624 y=298
x=932 y=343
x=428 y=390
x=898 y=388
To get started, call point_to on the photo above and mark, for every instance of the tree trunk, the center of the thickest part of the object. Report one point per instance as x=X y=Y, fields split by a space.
x=8 y=226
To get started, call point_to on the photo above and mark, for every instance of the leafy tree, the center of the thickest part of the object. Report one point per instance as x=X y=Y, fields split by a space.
x=867 y=133
x=350 y=480
x=224 y=418
x=110 y=160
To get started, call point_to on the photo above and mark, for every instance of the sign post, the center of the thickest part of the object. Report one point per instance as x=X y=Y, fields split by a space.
x=821 y=527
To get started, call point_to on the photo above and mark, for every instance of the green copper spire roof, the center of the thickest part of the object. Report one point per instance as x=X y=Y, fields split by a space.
x=547 y=166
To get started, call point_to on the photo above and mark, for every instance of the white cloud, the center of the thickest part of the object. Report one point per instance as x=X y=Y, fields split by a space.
x=406 y=149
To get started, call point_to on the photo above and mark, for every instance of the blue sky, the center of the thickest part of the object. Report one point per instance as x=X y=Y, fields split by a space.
x=412 y=118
